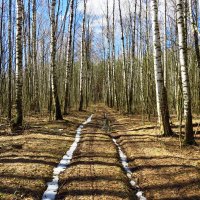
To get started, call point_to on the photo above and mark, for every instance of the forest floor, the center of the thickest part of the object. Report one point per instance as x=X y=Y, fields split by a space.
x=163 y=170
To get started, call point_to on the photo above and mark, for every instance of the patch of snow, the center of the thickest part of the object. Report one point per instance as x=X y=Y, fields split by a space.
x=124 y=162
x=133 y=183
x=88 y=120
x=143 y=198
x=115 y=142
x=129 y=175
x=139 y=194
x=52 y=187
x=49 y=195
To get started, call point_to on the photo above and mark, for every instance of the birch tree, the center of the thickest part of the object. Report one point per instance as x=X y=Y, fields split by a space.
x=35 y=65
x=2 y=51
x=123 y=57
x=189 y=135
x=165 y=44
x=58 y=114
x=1 y=36
x=19 y=74
x=81 y=81
x=133 y=33
x=161 y=97
x=10 y=62
x=113 y=56
x=69 y=60
x=108 y=85
x=193 y=7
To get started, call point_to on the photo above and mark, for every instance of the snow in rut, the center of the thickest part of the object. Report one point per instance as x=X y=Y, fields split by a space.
x=52 y=187
x=124 y=161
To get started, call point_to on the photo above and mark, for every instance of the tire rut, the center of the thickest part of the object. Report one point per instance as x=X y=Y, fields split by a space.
x=95 y=171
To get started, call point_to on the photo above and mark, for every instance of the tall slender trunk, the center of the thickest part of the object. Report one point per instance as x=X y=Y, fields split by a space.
x=123 y=58
x=161 y=96
x=108 y=56
x=1 y=38
x=2 y=50
x=88 y=64
x=133 y=28
x=19 y=73
x=194 y=23
x=69 y=60
x=73 y=79
x=81 y=81
x=165 y=45
x=10 y=62
x=141 y=63
x=35 y=65
x=147 y=67
x=58 y=113
x=189 y=135
x=30 y=68
x=113 y=57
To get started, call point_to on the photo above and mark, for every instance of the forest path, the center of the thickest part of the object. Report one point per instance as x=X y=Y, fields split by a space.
x=163 y=170
x=95 y=171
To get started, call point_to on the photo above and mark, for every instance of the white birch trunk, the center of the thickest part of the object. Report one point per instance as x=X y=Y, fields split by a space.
x=189 y=136
x=161 y=96
x=81 y=81
x=157 y=58
x=69 y=60
x=19 y=74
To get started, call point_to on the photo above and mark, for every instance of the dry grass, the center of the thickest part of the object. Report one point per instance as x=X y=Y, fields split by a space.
x=95 y=171
x=27 y=160
x=164 y=170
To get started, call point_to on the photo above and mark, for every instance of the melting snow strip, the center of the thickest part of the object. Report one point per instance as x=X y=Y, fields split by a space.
x=52 y=187
x=124 y=162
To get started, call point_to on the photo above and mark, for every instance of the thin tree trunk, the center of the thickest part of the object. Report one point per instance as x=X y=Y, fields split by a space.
x=194 y=21
x=165 y=45
x=189 y=134
x=161 y=96
x=19 y=73
x=1 y=38
x=58 y=113
x=2 y=49
x=123 y=57
x=10 y=62
x=35 y=65
x=113 y=57
x=148 y=73
x=108 y=57
x=81 y=81
x=132 y=57
x=69 y=61
x=30 y=68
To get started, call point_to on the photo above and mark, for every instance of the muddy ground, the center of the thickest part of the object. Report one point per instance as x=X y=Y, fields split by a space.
x=162 y=168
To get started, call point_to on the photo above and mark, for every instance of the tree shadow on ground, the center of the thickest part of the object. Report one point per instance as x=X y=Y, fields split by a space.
x=96 y=192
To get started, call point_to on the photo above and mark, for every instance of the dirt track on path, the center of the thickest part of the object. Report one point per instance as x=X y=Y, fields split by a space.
x=95 y=171
x=163 y=170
